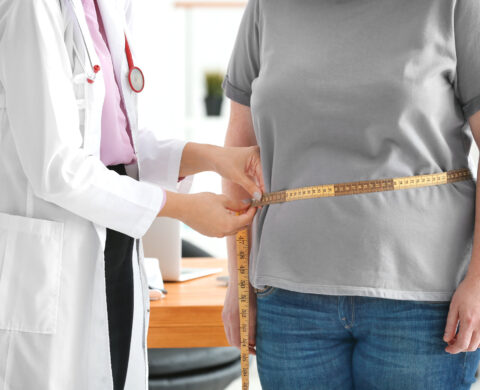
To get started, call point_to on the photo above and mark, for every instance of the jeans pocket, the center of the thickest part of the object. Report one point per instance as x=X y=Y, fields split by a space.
x=267 y=290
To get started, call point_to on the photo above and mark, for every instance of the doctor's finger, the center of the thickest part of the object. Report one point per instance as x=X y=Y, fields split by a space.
x=244 y=219
x=234 y=204
x=248 y=183
x=241 y=222
x=259 y=177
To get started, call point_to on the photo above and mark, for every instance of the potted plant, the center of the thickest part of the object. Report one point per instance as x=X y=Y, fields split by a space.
x=214 y=98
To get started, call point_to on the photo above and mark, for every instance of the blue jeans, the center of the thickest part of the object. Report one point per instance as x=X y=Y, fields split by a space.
x=316 y=342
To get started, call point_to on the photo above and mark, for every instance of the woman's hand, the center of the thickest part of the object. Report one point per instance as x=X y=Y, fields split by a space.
x=210 y=214
x=231 y=316
x=464 y=307
x=242 y=165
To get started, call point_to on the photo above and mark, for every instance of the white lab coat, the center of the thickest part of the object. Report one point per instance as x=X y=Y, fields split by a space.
x=57 y=198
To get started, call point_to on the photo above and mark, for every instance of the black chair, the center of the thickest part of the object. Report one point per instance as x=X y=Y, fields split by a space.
x=193 y=368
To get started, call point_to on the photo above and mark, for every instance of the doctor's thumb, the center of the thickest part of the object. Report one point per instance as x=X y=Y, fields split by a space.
x=249 y=185
x=236 y=205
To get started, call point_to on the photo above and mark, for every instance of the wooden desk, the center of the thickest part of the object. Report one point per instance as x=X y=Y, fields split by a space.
x=191 y=313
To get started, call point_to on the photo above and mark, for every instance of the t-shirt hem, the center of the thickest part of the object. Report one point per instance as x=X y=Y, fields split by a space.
x=376 y=292
x=471 y=107
x=235 y=93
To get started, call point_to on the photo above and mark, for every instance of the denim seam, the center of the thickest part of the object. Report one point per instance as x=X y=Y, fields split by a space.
x=464 y=371
x=353 y=311
x=338 y=311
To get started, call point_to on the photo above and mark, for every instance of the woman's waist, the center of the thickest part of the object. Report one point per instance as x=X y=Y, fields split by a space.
x=446 y=207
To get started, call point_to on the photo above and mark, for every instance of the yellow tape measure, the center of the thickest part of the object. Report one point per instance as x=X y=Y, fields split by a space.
x=321 y=191
x=243 y=302
x=363 y=187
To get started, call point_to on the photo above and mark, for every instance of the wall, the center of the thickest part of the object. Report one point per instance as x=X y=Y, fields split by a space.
x=186 y=44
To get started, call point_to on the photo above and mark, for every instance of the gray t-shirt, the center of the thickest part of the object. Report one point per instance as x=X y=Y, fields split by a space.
x=349 y=90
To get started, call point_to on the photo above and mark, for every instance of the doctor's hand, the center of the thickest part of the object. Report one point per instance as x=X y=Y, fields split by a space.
x=242 y=165
x=465 y=310
x=210 y=214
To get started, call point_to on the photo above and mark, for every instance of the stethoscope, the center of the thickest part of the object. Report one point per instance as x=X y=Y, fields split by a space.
x=135 y=74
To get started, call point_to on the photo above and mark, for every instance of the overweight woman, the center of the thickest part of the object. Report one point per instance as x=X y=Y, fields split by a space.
x=366 y=291
x=80 y=184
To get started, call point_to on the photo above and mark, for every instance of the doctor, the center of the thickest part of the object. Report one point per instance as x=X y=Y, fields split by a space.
x=80 y=184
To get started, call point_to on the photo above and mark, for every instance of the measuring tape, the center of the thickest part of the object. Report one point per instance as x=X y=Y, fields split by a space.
x=321 y=191
x=243 y=302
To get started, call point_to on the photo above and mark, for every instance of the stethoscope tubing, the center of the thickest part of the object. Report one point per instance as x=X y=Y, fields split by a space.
x=133 y=70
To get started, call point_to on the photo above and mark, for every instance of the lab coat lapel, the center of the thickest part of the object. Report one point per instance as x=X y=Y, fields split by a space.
x=113 y=17
x=77 y=8
x=94 y=93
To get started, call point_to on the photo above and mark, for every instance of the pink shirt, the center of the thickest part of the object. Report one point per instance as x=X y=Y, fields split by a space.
x=116 y=143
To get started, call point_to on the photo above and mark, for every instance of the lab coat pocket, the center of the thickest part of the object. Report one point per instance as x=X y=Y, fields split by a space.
x=30 y=265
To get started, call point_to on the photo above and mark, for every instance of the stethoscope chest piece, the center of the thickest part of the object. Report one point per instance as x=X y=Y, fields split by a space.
x=136 y=79
x=135 y=75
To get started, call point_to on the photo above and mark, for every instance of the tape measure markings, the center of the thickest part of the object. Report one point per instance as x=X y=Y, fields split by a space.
x=362 y=187
x=243 y=299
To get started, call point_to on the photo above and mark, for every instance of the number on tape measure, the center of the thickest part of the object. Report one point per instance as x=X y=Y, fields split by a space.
x=243 y=302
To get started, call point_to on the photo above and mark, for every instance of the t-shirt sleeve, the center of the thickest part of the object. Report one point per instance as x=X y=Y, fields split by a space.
x=467 y=45
x=244 y=62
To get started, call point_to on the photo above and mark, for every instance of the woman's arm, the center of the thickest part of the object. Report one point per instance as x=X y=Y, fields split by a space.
x=240 y=133
x=465 y=303
x=474 y=266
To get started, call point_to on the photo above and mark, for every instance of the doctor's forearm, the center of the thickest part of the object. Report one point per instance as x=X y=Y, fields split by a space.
x=198 y=158
x=175 y=205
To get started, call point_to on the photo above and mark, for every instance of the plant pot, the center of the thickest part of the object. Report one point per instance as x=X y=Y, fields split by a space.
x=213 y=105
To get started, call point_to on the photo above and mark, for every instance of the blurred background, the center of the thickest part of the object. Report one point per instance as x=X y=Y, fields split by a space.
x=191 y=40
